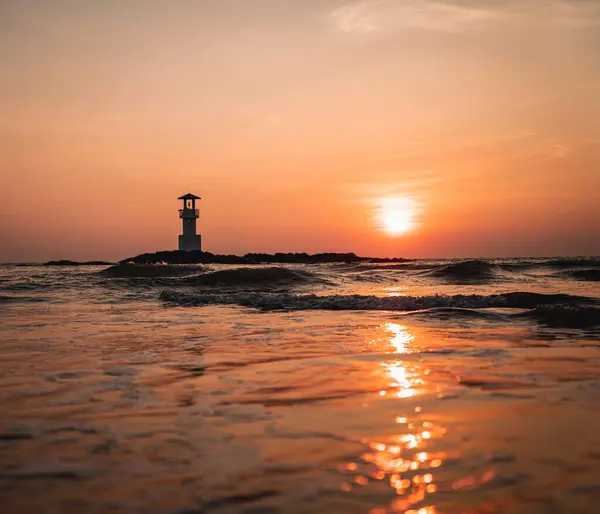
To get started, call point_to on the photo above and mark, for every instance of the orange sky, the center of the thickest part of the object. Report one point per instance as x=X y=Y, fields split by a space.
x=292 y=120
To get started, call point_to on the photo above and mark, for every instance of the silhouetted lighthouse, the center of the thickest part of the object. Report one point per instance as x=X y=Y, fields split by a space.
x=189 y=240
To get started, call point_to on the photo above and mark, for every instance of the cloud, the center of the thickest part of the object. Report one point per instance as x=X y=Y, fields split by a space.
x=526 y=143
x=370 y=16
x=365 y=17
x=560 y=151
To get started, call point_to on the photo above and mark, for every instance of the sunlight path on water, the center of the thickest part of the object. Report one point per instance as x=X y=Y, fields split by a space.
x=409 y=459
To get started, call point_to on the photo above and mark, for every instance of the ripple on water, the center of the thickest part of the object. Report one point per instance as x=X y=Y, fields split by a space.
x=225 y=409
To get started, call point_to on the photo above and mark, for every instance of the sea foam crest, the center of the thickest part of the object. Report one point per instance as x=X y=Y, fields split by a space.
x=274 y=301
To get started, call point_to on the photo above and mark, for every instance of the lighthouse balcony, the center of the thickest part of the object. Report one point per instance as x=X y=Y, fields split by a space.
x=189 y=213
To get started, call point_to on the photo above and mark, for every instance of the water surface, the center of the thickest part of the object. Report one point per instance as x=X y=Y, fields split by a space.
x=425 y=387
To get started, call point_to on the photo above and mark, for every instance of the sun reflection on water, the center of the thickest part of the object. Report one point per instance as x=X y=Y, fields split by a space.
x=404 y=378
x=410 y=460
x=406 y=461
x=395 y=290
x=401 y=337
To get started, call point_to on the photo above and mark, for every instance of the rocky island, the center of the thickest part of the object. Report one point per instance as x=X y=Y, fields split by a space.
x=199 y=257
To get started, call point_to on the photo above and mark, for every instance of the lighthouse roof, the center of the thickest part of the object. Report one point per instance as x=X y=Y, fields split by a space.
x=189 y=196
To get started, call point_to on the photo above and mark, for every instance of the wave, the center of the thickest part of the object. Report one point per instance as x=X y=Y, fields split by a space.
x=132 y=270
x=576 y=262
x=150 y=276
x=477 y=269
x=553 y=310
x=255 y=277
x=27 y=286
x=589 y=275
x=516 y=266
x=380 y=266
x=20 y=299
x=288 y=301
x=456 y=313
x=568 y=316
x=373 y=278
x=465 y=272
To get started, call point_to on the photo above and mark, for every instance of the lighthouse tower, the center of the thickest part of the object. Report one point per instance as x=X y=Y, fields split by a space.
x=189 y=240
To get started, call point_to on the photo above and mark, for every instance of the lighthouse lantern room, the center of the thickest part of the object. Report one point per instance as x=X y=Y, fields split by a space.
x=189 y=240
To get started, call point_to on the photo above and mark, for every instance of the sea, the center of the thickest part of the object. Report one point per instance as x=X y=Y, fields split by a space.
x=418 y=387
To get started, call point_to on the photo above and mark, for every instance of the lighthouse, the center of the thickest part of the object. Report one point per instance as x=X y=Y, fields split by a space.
x=189 y=240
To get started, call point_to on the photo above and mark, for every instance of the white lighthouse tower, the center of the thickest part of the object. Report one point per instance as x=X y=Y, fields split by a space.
x=189 y=240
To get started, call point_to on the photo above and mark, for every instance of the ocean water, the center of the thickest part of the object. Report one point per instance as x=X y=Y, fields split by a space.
x=419 y=387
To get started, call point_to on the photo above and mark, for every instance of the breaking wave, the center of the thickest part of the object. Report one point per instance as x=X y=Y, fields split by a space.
x=555 y=310
x=276 y=301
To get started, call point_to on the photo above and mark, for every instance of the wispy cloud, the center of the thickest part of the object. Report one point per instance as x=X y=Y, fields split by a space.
x=560 y=151
x=370 y=16
x=377 y=16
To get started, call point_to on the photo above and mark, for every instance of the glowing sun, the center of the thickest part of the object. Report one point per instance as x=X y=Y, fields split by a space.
x=397 y=215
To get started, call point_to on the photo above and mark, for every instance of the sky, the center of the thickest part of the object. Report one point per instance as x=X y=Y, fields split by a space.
x=409 y=128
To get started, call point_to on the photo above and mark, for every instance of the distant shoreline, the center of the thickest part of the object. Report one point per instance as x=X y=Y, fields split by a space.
x=65 y=262
x=197 y=257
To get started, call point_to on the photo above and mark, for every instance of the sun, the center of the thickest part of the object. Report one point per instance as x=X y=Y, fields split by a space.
x=397 y=215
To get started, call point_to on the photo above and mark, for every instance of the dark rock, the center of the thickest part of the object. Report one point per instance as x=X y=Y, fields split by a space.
x=198 y=257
